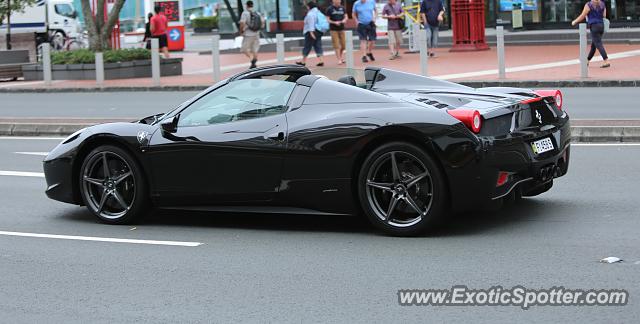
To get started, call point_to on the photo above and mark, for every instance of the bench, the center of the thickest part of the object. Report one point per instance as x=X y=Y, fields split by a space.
x=11 y=62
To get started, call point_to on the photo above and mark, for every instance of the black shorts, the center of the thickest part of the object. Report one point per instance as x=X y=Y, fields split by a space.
x=162 y=40
x=366 y=31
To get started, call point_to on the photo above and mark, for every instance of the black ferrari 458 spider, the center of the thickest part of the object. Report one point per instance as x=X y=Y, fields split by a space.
x=402 y=149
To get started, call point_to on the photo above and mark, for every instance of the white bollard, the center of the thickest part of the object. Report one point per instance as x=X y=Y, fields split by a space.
x=215 y=56
x=349 y=50
x=46 y=63
x=155 y=62
x=99 y=69
x=584 y=72
x=500 y=40
x=280 y=48
x=424 y=56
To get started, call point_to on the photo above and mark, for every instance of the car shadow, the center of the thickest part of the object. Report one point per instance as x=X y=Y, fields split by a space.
x=509 y=216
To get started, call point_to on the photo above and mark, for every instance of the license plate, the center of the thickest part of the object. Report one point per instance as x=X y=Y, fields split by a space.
x=541 y=146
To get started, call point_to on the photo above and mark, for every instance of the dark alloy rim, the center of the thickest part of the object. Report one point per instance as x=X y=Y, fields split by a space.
x=399 y=189
x=108 y=185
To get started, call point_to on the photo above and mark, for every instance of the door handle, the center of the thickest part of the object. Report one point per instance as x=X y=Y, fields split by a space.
x=277 y=137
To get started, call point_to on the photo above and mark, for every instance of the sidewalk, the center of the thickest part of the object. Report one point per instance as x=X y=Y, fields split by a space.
x=526 y=66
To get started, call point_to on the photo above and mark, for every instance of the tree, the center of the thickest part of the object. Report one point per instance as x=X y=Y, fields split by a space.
x=100 y=27
x=16 y=6
x=7 y=9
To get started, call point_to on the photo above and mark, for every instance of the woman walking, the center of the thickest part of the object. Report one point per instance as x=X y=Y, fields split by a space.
x=595 y=12
x=312 y=36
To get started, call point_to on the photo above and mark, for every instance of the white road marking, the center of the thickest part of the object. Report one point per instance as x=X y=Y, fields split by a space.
x=534 y=66
x=31 y=138
x=101 y=239
x=605 y=144
x=9 y=85
x=244 y=65
x=33 y=153
x=22 y=174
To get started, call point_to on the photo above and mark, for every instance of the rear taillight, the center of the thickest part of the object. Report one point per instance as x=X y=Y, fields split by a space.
x=503 y=177
x=471 y=118
x=555 y=94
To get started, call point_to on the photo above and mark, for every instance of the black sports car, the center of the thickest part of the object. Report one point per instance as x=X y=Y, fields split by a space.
x=403 y=149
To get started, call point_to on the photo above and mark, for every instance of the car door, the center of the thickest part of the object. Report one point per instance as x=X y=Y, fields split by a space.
x=227 y=146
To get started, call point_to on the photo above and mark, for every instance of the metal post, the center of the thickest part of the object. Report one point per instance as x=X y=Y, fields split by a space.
x=424 y=56
x=584 y=72
x=46 y=63
x=500 y=39
x=349 y=49
x=215 y=56
x=8 y=38
x=99 y=69
x=155 y=62
x=280 y=48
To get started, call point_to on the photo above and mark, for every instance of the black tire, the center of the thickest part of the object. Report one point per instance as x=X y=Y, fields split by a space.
x=124 y=185
x=425 y=197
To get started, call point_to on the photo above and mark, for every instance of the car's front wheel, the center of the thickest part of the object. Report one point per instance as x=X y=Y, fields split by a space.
x=112 y=185
x=401 y=189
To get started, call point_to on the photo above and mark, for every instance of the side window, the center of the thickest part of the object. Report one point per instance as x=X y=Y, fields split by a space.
x=239 y=100
x=64 y=10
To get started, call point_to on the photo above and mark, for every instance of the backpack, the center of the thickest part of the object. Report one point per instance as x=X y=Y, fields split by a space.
x=322 y=24
x=255 y=22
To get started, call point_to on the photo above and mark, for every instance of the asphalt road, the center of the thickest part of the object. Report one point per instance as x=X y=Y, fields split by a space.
x=581 y=103
x=279 y=268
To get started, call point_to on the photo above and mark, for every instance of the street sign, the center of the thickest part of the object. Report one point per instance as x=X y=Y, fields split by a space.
x=175 y=34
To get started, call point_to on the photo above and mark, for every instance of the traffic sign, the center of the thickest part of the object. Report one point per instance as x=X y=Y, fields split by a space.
x=175 y=34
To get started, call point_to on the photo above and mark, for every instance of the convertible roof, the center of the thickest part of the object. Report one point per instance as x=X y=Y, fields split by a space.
x=293 y=70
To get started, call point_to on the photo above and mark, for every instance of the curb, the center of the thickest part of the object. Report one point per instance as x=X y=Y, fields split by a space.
x=473 y=84
x=580 y=134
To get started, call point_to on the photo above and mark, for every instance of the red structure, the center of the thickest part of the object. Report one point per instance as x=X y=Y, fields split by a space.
x=467 y=17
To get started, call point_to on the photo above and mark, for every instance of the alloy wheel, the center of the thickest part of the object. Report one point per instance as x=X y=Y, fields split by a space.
x=108 y=185
x=399 y=189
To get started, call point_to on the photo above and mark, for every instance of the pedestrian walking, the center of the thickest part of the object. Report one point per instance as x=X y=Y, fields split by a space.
x=337 y=15
x=147 y=32
x=251 y=23
x=432 y=13
x=393 y=12
x=158 y=25
x=364 y=12
x=595 y=12
x=315 y=24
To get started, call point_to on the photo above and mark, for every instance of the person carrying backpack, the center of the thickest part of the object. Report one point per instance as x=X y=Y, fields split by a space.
x=250 y=25
x=315 y=24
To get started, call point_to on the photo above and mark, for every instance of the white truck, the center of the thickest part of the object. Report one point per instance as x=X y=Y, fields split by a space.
x=53 y=20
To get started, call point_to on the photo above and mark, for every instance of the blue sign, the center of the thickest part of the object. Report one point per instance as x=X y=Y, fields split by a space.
x=507 y=5
x=175 y=34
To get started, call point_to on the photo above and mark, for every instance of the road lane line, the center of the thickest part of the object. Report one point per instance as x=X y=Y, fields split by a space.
x=605 y=144
x=101 y=239
x=31 y=138
x=22 y=174
x=33 y=153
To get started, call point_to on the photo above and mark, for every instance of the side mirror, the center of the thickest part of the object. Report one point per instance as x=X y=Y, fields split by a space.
x=73 y=15
x=170 y=125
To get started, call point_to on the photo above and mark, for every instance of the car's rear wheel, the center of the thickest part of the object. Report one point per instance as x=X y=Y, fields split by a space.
x=401 y=189
x=112 y=185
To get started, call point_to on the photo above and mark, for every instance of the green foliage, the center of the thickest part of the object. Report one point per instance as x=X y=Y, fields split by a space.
x=205 y=22
x=85 y=56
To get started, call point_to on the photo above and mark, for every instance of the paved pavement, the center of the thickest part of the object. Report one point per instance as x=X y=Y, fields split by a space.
x=278 y=268
x=524 y=63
